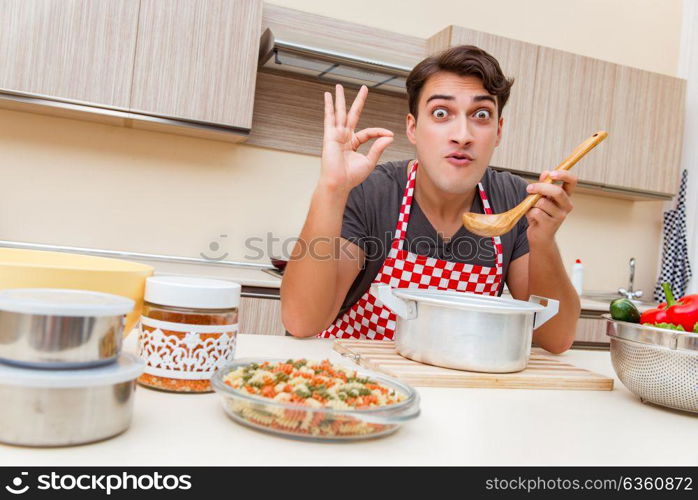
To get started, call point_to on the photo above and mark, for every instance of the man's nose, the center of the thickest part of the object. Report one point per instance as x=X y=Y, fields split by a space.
x=460 y=131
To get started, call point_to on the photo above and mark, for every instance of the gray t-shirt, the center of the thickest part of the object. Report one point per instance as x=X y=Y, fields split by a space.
x=371 y=214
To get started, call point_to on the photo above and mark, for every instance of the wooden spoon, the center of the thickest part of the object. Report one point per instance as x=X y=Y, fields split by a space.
x=498 y=224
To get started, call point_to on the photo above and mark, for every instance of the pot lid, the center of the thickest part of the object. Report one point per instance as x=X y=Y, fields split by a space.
x=127 y=367
x=64 y=302
x=467 y=300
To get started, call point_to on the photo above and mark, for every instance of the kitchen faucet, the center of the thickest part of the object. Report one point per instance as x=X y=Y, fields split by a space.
x=630 y=293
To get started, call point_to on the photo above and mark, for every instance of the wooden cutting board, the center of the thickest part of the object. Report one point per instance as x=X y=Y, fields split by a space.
x=542 y=372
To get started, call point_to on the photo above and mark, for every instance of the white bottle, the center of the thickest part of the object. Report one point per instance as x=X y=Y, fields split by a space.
x=578 y=276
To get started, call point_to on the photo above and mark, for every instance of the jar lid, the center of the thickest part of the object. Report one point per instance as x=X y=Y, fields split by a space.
x=127 y=367
x=63 y=302
x=185 y=291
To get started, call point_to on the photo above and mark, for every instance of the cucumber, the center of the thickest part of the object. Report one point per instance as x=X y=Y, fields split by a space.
x=624 y=310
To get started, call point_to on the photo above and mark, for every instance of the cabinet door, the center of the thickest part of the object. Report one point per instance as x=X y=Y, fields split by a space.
x=591 y=331
x=518 y=60
x=572 y=100
x=646 y=134
x=81 y=50
x=261 y=316
x=197 y=60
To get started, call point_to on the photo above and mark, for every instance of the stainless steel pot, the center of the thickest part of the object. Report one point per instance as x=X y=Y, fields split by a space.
x=67 y=407
x=465 y=331
x=58 y=328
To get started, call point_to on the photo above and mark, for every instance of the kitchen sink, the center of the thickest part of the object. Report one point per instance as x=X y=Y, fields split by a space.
x=610 y=296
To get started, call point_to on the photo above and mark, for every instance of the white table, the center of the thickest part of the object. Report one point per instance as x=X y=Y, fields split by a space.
x=456 y=427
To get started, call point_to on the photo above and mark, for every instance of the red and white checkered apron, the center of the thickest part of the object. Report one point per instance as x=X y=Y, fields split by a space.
x=370 y=319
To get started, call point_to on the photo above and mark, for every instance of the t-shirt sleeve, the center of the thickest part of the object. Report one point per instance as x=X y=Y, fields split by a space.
x=521 y=241
x=355 y=220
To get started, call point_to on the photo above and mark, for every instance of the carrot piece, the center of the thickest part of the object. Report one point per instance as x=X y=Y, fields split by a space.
x=268 y=391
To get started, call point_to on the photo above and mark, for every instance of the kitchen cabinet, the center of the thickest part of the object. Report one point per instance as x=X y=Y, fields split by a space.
x=645 y=137
x=197 y=60
x=261 y=316
x=75 y=50
x=180 y=66
x=518 y=60
x=591 y=330
x=571 y=100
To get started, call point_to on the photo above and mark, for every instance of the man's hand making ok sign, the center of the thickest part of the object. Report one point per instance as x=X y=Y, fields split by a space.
x=342 y=166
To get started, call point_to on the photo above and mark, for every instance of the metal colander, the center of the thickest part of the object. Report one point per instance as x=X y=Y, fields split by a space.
x=658 y=365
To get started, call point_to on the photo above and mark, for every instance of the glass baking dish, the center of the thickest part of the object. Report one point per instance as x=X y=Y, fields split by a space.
x=316 y=424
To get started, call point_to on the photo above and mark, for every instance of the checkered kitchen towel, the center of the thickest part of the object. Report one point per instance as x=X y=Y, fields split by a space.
x=676 y=269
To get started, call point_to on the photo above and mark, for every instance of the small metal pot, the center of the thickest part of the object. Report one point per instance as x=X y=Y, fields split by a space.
x=59 y=328
x=465 y=331
x=67 y=407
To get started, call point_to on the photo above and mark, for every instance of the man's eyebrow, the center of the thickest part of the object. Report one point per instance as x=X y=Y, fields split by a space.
x=485 y=97
x=477 y=98
x=441 y=96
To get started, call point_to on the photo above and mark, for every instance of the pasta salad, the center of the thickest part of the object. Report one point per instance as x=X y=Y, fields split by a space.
x=306 y=390
x=315 y=384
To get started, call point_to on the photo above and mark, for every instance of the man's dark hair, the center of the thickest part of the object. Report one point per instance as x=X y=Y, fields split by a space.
x=463 y=60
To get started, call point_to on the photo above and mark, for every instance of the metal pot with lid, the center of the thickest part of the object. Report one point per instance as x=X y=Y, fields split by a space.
x=56 y=328
x=67 y=407
x=465 y=331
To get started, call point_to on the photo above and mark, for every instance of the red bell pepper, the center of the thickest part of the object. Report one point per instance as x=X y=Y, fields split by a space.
x=682 y=312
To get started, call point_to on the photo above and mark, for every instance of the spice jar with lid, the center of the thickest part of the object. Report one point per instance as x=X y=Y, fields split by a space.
x=187 y=331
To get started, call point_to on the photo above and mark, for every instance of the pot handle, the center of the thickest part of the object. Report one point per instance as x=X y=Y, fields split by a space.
x=551 y=308
x=406 y=309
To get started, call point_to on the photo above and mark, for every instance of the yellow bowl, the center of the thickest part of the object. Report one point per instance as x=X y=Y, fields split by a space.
x=39 y=269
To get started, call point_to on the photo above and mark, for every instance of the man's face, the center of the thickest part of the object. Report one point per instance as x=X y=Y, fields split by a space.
x=457 y=131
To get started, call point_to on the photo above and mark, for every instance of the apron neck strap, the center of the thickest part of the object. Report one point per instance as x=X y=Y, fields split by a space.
x=406 y=207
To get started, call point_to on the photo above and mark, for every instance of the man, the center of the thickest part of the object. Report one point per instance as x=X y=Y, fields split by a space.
x=400 y=223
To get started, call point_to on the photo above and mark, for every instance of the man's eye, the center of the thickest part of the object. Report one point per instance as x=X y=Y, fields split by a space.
x=483 y=114
x=439 y=113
